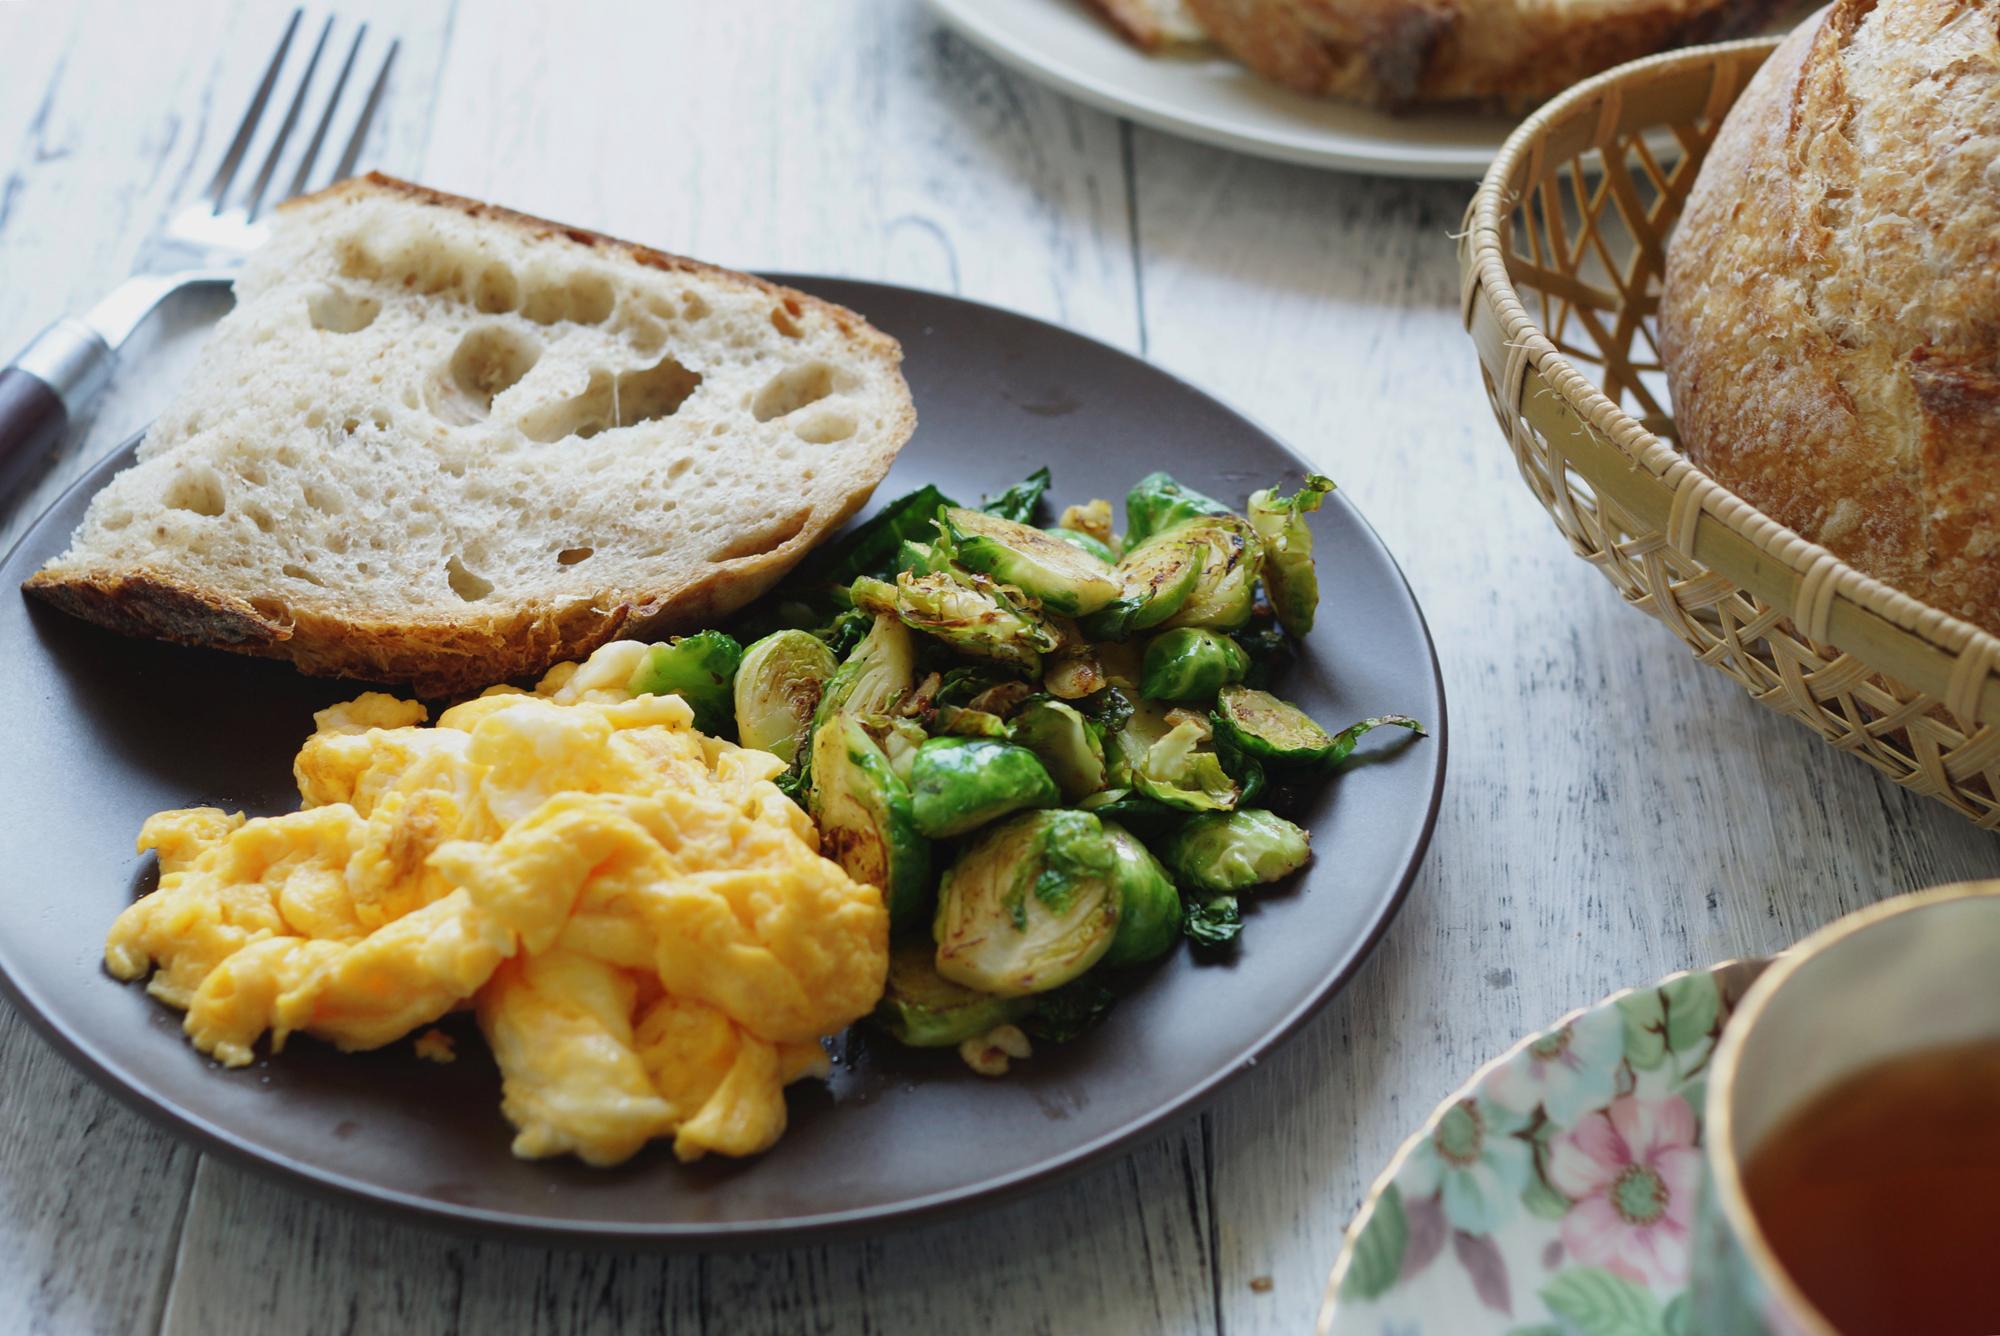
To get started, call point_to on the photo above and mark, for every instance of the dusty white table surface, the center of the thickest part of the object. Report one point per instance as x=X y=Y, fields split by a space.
x=1613 y=812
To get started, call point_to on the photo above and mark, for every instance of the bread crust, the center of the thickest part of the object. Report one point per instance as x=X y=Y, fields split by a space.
x=1400 y=53
x=440 y=656
x=1830 y=322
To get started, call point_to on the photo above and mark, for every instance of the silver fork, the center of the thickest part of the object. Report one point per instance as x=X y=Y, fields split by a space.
x=202 y=242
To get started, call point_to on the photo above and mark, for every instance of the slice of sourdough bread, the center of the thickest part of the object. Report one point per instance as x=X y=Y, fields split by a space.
x=442 y=443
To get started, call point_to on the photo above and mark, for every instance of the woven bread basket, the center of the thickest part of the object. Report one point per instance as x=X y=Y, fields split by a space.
x=1562 y=258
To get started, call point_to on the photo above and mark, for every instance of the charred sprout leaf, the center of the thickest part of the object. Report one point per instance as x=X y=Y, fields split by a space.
x=1155 y=579
x=964 y=684
x=1063 y=578
x=870 y=547
x=865 y=819
x=1001 y=697
x=923 y=1009
x=1073 y=671
x=1157 y=503
x=1233 y=851
x=845 y=631
x=700 y=669
x=1190 y=663
x=1289 y=577
x=1062 y=1014
x=973 y=615
x=777 y=690
x=1029 y=905
x=1066 y=743
x=960 y=784
x=1091 y=520
x=1239 y=765
x=1271 y=652
x=1018 y=502
x=793 y=785
x=1343 y=741
x=1225 y=592
x=961 y=721
x=1110 y=709
x=1149 y=908
x=1078 y=539
x=1212 y=922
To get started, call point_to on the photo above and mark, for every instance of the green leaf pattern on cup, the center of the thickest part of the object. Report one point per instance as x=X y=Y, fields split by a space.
x=1566 y=1178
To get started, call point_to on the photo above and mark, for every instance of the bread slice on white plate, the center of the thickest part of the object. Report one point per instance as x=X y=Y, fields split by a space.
x=443 y=443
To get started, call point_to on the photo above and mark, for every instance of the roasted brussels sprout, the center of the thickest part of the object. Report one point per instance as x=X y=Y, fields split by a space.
x=1066 y=743
x=699 y=669
x=777 y=690
x=876 y=675
x=1289 y=577
x=1225 y=592
x=1077 y=538
x=962 y=721
x=1073 y=671
x=865 y=820
x=923 y=1009
x=1279 y=732
x=1063 y=577
x=1093 y=521
x=1190 y=663
x=1018 y=502
x=1155 y=578
x=1168 y=763
x=960 y=784
x=1149 y=908
x=967 y=611
x=1233 y=851
x=1157 y=503
x=1031 y=904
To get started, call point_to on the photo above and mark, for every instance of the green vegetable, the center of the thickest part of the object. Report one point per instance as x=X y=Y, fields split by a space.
x=1066 y=742
x=1277 y=731
x=865 y=819
x=1093 y=521
x=960 y=784
x=1079 y=539
x=1171 y=767
x=1225 y=591
x=699 y=669
x=1149 y=908
x=1018 y=502
x=962 y=721
x=876 y=675
x=1212 y=922
x=1233 y=851
x=1289 y=577
x=1157 y=503
x=917 y=558
x=870 y=547
x=1190 y=663
x=1064 y=578
x=1155 y=579
x=1271 y=652
x=1061 y=1014
x=968 y=612
x=923 y=1009
x=1029 y=905
x=777 y=690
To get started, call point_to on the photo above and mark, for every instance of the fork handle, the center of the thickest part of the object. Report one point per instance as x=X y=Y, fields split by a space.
x=51 y=381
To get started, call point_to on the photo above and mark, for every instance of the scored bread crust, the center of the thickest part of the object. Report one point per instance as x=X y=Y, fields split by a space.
x=1830 y=322
x=441 y=651
x=1399 y=53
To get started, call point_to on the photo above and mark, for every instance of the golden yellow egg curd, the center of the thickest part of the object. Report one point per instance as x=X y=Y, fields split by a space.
x=640 y=919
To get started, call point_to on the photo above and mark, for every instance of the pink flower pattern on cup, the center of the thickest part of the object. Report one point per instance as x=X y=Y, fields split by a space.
x=1632 y=1174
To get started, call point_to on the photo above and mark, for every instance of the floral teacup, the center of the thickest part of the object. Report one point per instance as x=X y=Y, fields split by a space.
x=1902 y=977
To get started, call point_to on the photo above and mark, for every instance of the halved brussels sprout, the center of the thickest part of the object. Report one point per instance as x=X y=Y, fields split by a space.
x=1157 y=503
x=865 y=820
x=1225 y=593
x=1289 y=577
x=777 y=690
x=699 y=669
x=1031 y=904
x=923 y=1009
x=960 y=784
x=1149 y=908
x=1155 y=578
x=1092 y=520
x=962 y=721
x=1190 y=663
x=1065 y=578
x=1077 y=538
x=1233 y=851
x=1275 y=730
x=1177 y=772
x=1073 y=671
x=967 y=611
x=876 y=675
x=1066 y=743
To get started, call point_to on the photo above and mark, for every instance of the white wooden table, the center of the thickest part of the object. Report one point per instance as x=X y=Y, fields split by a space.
x=1613 y=812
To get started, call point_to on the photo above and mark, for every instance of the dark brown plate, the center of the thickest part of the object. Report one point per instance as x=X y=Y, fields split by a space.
x=98 y=732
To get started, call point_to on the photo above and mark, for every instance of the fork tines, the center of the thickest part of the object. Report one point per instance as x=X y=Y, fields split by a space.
x=251 y=202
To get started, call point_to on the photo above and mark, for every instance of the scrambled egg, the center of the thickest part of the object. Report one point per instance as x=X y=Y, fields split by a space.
x=640 y=919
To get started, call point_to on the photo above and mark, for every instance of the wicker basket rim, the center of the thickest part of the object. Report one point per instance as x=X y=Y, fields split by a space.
x=1491 y=204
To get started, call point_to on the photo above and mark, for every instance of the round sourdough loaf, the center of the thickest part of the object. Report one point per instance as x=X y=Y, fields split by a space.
x=1831 y=317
